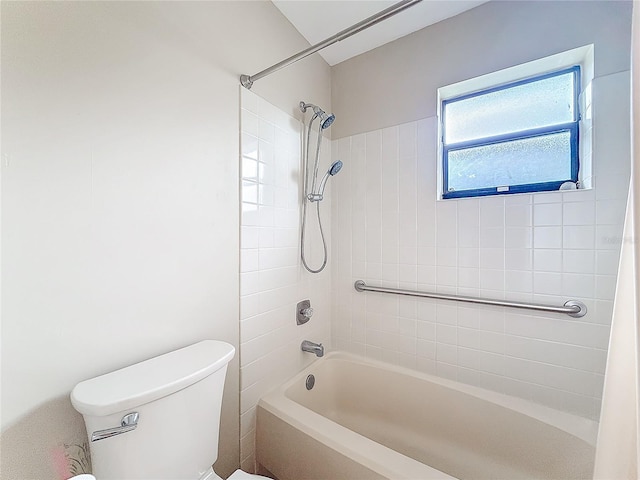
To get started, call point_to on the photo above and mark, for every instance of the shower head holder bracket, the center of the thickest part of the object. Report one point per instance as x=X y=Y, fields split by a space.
x=315 y=197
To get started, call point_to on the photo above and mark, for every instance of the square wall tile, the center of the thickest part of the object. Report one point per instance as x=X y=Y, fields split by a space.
x=547 y=237
x=518 y=215
x=542 y=248
x=579 y=213
x=547 y=260
x=547 y=214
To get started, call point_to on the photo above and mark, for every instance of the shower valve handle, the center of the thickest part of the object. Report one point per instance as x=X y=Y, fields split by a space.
x=304 y=312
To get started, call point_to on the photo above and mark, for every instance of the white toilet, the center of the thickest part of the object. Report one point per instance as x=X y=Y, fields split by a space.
x=158 y=419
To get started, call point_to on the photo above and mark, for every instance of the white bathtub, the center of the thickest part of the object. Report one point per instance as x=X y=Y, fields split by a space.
x=369 y=420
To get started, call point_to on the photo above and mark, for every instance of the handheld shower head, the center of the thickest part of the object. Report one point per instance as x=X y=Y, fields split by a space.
x=333 y=170
x=335 y=167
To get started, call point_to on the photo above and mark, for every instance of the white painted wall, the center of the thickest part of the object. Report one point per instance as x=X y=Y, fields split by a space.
x=273 y=279
x=120 y=223
x=396 y=83
x=546 y=248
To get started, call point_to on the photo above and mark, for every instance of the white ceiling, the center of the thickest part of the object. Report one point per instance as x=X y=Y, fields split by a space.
x=318 y=20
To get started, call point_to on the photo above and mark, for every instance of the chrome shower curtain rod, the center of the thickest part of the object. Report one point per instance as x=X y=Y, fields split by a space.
x=247 y=80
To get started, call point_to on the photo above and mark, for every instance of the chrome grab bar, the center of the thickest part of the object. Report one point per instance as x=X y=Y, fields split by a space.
x=128 y=423
x=573 y=308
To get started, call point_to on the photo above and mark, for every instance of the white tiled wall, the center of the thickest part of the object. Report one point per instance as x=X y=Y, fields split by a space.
x=545 y=248
x=272 y=280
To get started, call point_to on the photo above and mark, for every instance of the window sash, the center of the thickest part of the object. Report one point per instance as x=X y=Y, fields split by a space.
x=572 y=128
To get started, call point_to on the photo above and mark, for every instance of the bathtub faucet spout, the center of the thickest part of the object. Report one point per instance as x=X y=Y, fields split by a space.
x=315 y=348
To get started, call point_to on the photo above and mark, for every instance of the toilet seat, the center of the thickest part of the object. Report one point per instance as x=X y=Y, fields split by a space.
x=209 y=475
x=237 y=475
x=241 y=475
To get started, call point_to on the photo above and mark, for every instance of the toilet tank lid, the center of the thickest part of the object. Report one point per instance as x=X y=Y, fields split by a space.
x=151 y=379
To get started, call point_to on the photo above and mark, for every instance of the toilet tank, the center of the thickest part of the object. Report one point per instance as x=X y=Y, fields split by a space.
x=178 y=397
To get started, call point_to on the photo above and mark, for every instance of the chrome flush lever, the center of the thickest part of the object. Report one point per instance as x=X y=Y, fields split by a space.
x=128 y=423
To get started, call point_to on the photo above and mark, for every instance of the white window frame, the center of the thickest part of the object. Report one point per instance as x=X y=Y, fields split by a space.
x=582 y=56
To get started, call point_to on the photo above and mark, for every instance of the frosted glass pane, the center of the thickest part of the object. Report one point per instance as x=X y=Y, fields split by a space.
x=519 y=162
x=531 y=105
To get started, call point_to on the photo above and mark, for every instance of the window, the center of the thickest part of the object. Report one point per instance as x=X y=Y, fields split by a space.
x=517 y=137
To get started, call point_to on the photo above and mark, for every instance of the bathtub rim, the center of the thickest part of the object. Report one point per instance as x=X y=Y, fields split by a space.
x=580 y=427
